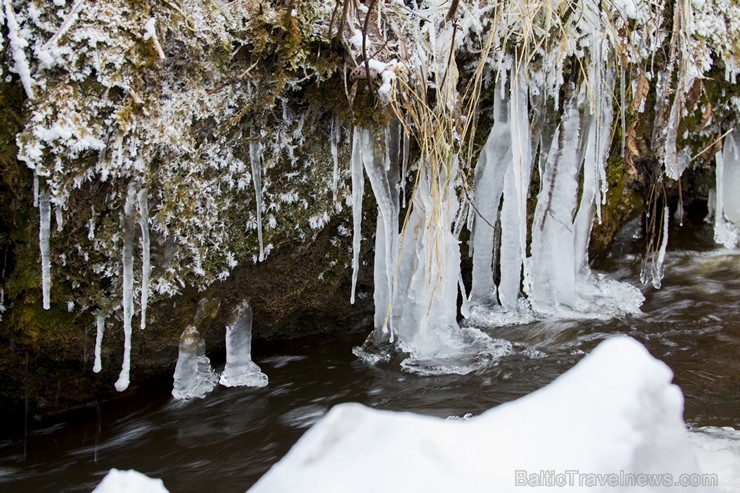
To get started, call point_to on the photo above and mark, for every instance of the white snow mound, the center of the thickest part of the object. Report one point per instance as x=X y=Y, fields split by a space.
x=130 y=481
x=612 y=423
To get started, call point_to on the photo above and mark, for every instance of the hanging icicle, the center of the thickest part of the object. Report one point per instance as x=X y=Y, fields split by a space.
x=361 y=145
x=127 y=260
x=255 y=158
x=334 y=139
x=553 y=282
x=100 y=331
x=727 y=205
x=494 y=160
x=143 y=203
x=44 y=240
x=384 y=180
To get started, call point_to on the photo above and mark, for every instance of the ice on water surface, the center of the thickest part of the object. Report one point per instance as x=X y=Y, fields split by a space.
x=194 y=377
x=240 y=370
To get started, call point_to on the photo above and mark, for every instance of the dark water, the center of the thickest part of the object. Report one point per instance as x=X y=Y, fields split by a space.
x=227 y=441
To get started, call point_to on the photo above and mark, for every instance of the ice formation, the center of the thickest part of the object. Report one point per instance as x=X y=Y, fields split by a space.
x=555 y=280
x=146 y=266
x=727 y=200
x=44 y=239
x=384 y=180
x=99 y=332
x=490 y=171
x=361 y=141
x=616 y=410
x=417 y=270
x=255 y=158
x=193 y=376
x=127 y=261
x=240 y=370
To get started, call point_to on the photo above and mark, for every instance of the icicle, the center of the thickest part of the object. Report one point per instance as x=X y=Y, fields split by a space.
x=657 y=273
x=404 y=163
x=145 y=252
x=193 y=376
x=623 y=109
x=255 y=157
x=44 y=239
x=597 y=135
x=59 y=218
x=35 y=189
x=100 y=330
x=731 y=182
x=127 y=260
x=425 y=305
x=359 y=137
x=334 y=142
x=240 y=370
x=553 y=282
x=494 y=160
x=727 y=211
x=510 y=257
x=384 y=182
x=516 y=186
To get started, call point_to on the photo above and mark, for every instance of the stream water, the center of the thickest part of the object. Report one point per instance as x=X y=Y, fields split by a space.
x=228 y=440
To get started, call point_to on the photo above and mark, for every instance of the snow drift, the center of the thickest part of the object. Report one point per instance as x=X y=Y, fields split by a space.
x=615 y=414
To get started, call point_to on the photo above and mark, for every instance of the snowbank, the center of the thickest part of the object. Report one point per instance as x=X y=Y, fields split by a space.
x=129 y=482
x=612 y=423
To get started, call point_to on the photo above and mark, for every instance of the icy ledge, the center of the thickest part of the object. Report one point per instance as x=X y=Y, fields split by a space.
x=615 y=414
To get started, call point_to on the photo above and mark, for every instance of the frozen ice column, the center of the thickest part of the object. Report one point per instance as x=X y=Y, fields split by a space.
x=193 y=374
x=240 y=370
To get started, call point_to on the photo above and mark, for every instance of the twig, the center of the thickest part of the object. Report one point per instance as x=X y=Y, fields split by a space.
x=718 y=139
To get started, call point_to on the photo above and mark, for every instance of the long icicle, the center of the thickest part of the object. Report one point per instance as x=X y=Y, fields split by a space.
x=129 y=224
x=384 y=182
x=255 y=158
x=494 y=160
x=44 y=240
x=358 y=186
x=145 y=252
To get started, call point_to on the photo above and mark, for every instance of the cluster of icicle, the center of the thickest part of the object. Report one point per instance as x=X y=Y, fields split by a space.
x=194 y=377
x=136 y=210
x=417 y=270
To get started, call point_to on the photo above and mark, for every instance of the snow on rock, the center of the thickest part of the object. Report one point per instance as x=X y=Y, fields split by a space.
x=130 y=481
x=615 y=413
x=718 y=452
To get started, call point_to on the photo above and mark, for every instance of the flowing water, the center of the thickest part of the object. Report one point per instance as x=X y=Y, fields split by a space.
x=228 y=440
